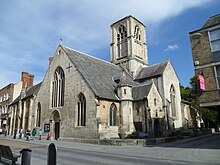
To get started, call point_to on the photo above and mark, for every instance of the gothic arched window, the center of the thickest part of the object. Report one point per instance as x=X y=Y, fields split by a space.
x=58 y=88
x=173 y=100
x=81 y=121
x=122 y=41
x=113 y=115
x=137 y=33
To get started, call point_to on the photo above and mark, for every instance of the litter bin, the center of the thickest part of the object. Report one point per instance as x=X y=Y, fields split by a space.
x=26 y=156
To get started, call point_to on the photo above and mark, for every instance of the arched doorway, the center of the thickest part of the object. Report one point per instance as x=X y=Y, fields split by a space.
x=156 y=128
x=55 y=122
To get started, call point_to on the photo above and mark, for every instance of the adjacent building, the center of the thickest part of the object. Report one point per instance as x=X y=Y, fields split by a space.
x=205 y=44
x=10 y=93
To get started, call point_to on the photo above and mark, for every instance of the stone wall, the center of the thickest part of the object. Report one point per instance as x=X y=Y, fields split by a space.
x=203 y=58
x=74 y=85
x=170 y=78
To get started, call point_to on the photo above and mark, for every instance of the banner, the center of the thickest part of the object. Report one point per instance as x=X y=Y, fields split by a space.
x=201 y=82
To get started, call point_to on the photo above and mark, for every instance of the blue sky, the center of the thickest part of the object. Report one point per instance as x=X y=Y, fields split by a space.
x=30 y=31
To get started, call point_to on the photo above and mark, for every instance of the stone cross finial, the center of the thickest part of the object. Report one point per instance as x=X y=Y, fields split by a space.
x=61 y=40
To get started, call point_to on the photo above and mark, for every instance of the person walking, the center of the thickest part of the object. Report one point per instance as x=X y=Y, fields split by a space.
x=33 y=133
x=28 y=134
x=40 y=134
x=20 y=133
x=15 y=133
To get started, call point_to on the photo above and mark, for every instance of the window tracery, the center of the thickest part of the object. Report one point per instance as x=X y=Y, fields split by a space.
x=58 y=88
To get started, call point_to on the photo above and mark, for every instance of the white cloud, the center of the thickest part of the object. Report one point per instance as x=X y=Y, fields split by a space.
x=30 y=30
x=171 y=47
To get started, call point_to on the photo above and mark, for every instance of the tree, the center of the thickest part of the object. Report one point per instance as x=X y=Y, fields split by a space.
x=210 y=117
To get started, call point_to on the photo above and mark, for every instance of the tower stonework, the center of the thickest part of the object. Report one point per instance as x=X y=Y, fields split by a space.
x=128 y=44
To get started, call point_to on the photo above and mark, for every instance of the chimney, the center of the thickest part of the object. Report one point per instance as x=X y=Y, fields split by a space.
x=50 y=60
x=27 y=80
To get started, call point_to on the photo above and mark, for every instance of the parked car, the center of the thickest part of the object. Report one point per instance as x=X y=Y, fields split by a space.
x=143 y=135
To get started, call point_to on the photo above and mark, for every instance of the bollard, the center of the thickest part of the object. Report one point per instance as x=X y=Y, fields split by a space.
x=26 y=156
x=52 y=155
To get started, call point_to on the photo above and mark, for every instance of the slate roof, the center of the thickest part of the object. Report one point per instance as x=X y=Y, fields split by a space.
x=151 y=71
x=16 y=100
x=29 y=93
x=32 y=90
x=124 y=81
x=97 y=73
x=140 y=92
x=212 y=21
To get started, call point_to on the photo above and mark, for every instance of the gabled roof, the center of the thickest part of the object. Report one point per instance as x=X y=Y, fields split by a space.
x=16 y=100
x=140 y=92
x=97 y=73
x=212 y=21
x=32 y=90
x=29 y=93
x=151 y=71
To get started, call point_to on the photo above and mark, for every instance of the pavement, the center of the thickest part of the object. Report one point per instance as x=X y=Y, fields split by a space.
x=18 y=144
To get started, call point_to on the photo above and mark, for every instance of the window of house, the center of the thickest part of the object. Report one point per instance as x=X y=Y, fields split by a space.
x=7 y=96
x=173 y=100
x=113 y=115
x=81 y=120
x=58 y=88
x=215 y=40
x=218 y=75
x=4 y=97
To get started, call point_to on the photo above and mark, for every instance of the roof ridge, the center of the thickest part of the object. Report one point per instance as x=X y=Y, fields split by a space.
x=157 y=64
x=107 y=62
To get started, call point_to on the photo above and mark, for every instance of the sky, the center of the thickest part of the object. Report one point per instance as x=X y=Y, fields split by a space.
x=30 y=31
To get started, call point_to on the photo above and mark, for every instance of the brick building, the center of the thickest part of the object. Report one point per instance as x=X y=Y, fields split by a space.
x=205 y=44
x=6 y=97
x=10 y=93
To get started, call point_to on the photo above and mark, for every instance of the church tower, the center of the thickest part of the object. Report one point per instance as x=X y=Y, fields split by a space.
x=128 y=44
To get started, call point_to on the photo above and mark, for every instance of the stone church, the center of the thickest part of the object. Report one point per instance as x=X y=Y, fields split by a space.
x=85 y=97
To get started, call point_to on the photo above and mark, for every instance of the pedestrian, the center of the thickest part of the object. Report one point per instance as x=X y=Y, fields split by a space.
x=40 y=134
x=15 y=132
x=28 y=134
x=20 y=133
x=33 y=133
x=48 y=136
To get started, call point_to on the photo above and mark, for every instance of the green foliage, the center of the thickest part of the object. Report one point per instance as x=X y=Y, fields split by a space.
x=187 y=94
x=210 y=117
